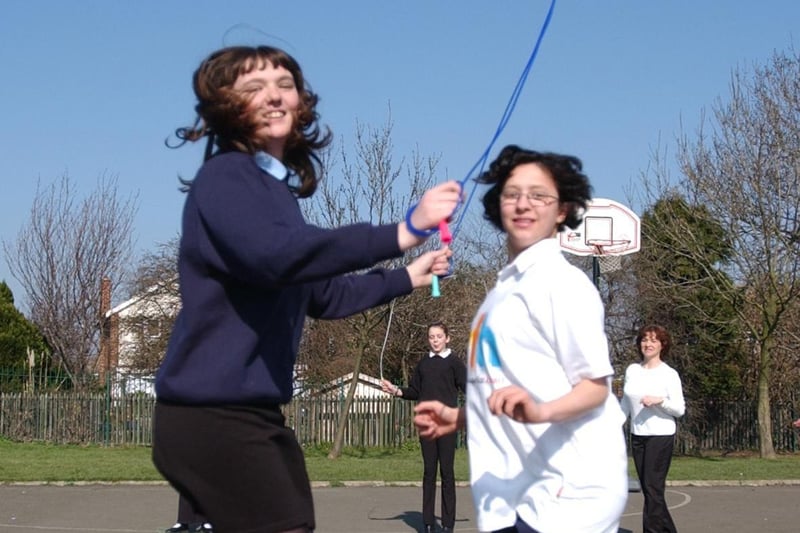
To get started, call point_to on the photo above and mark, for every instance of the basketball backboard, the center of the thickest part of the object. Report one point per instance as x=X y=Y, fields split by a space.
x=608 y=228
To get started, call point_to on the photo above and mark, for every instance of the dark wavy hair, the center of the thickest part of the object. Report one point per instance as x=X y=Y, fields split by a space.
x=660 y=333
x=574 y=190
x=222 y=116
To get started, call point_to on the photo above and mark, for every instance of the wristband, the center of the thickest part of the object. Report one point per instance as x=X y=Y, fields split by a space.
x=414 y=231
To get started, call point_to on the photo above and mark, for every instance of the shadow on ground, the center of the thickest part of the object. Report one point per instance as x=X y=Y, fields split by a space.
x=413 y=519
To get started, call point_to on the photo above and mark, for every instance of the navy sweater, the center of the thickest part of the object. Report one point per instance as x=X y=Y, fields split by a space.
x=437 y=378
x=251 y=269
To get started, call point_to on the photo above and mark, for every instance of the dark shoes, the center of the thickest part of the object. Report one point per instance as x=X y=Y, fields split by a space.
x=190 y=528
x=447 y=530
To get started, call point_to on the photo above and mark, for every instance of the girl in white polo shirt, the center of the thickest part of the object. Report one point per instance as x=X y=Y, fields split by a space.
x=547 y=452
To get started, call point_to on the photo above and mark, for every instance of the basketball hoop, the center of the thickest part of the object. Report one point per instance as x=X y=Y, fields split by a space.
x=607 y=228
x=604 y=251
x=608 y=231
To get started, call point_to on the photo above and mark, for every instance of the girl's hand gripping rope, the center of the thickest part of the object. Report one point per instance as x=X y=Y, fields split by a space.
x=424 y=269
x=433 y=212
x=422 y=219
x=446 y=237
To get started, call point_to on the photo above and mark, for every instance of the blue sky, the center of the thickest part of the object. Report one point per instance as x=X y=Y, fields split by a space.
x=92 y=87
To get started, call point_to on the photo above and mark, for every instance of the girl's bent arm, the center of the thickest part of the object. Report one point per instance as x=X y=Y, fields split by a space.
x=517 y=403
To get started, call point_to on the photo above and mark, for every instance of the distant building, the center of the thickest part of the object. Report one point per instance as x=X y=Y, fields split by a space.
x=134 y=336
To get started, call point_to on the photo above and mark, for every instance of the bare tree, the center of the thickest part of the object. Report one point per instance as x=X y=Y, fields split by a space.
x=376 y=189
x=371 y=190
x=389 y=338
x=745 y=172
x=155 y=287
x=60 y=257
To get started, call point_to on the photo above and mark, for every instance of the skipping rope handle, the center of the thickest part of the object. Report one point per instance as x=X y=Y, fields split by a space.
x=424 y=234
x=447 y=238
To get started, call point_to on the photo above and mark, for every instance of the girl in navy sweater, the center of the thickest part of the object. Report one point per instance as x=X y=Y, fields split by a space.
x=251 y=269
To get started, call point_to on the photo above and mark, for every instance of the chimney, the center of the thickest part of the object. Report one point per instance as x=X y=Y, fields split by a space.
x=105 y=297
x=108 y=357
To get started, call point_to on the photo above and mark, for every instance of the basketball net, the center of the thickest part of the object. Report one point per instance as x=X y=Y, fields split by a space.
x=604 y=251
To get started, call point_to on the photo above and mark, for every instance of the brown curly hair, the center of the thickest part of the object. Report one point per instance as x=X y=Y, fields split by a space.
x=222 y=116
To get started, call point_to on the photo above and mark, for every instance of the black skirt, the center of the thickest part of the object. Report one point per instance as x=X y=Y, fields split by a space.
x=239 y=465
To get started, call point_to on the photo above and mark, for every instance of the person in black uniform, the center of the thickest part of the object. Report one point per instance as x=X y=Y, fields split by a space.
x=439 y=375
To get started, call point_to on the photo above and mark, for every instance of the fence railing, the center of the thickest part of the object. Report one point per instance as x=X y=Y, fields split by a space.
x=76 y=418
x=730 y=426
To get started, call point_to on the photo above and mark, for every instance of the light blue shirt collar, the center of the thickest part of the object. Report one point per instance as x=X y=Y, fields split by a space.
x=271 y=165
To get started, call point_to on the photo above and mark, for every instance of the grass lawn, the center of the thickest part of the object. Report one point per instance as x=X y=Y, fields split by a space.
x=20 y=462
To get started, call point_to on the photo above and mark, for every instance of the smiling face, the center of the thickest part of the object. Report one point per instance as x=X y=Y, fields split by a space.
x=650 y=346
x=529 y=207
x=273 y=100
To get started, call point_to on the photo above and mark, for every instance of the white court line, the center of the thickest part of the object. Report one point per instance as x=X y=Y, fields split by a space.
x=686 y=501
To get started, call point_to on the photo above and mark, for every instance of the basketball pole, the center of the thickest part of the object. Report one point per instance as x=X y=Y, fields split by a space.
x=596 y=272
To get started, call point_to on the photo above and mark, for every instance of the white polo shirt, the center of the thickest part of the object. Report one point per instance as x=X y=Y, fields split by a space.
x=662 y=381
x=542 y=328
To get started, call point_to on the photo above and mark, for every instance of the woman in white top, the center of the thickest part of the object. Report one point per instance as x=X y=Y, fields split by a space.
x=653 y=397
x=546 y=447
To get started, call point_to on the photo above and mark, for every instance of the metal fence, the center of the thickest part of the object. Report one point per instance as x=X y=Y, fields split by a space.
x=730 y=426
x=69 y=417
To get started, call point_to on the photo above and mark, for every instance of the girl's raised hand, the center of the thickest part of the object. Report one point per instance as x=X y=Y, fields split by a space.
x=437 y=204
x=424 y=267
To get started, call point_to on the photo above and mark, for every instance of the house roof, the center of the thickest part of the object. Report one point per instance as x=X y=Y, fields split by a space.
x=136 y=299
x=344 y=381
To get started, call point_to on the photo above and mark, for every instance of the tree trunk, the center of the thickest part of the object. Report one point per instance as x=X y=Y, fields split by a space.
x=338 y=441
x=765 y=445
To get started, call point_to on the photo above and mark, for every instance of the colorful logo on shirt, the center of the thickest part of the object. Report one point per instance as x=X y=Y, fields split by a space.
x=483 y=346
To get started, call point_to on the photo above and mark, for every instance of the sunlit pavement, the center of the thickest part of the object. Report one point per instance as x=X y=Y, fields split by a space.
x=372 y=508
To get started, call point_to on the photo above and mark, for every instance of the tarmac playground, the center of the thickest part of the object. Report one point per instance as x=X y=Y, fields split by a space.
x=375 y=508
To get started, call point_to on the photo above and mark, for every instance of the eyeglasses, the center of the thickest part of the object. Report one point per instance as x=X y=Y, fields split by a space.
x=536 y=199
